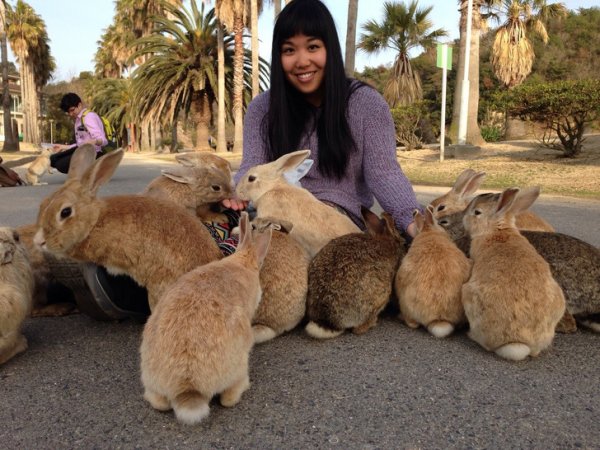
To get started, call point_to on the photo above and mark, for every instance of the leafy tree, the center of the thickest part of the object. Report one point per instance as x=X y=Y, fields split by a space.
x=565 y=107
x=404 y=28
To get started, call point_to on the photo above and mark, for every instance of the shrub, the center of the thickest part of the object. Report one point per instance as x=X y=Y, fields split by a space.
x=565 y=107
x=407 y=119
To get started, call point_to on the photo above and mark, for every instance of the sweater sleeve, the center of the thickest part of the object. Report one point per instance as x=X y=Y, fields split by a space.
x=381 y=169
x=254 y=152
x=95 y=127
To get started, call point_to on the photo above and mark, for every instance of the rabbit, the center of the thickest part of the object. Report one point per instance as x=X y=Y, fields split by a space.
x=152 y=241
x=16 y=281
x=460 y=194
x=284 y=281
x=350 y=280
x=575 y=265
x=199 y=190
x=39 y=167
x=314 y=223
x=197 y=342
x=511 y=300
x=430 y=279
x=41 y=263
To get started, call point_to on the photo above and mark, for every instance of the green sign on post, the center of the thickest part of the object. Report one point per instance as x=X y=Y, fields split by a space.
x=440 y=56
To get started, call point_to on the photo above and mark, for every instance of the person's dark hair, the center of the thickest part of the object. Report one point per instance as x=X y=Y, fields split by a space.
x=289 y=112
x=69 y=100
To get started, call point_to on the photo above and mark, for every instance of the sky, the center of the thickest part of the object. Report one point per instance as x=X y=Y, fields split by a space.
x=75 y=27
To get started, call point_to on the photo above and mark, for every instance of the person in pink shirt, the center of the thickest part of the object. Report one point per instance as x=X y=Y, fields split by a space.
x=90 y=132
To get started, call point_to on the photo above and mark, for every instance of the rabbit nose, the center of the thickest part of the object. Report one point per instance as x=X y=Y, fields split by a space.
x=39 y=238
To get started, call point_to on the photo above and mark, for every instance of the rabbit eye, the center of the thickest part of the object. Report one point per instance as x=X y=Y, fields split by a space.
x=443 y=222
x=441 y=207
x=251 y=178
x=65 y=212
x=477 y=212
x=216 y=187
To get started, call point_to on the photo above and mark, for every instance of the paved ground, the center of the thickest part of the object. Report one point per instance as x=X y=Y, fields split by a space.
x=78 y=384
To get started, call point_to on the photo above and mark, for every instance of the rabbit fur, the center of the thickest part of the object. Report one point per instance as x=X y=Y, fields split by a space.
x=511 y=300
x=575 y=265
x=16 y=281
x=39 y=167
x=197 y=342
x=430 y=279
x=350 y=280
x=198 y=189
x=459 y=196
x=284 y=281
x=204 y=160
x=314 y=223
x=152 y=241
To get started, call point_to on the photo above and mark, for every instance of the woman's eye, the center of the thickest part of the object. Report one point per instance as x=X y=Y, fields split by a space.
x=287 y=51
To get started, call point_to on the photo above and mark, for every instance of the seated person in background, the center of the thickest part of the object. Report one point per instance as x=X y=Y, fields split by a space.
x=92 y=132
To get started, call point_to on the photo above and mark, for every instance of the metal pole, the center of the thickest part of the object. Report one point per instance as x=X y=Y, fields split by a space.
x=464 y=98
x=52 y=131
x=443 y=120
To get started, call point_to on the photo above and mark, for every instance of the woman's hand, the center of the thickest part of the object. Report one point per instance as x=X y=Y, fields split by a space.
x=234 y=203
x=59 y=147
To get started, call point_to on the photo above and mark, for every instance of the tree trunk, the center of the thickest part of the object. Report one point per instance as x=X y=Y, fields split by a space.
x=254 y=34
x=221 y=137
x=201 y=117
x=238 y=83
x=174 y=136
x=473 y=132
x=145 y=136
x=351 y=37
x=11 y=142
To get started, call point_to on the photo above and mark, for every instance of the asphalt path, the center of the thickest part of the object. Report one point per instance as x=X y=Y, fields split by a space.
x=78 y=385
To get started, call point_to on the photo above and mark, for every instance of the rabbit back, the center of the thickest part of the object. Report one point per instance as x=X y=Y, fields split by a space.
x=284 y=281
x=511 y=297
x=429 y=283
x=349 y=283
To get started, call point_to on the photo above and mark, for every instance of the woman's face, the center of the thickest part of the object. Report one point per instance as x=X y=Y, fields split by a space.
x=303 y=59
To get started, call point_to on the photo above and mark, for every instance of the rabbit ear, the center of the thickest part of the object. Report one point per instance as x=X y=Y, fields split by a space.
x=184 y=160
x=470 y=184
x=245 y=230
x=429 y=216
x=101 y=171
x=290 y=161
x=81 y=160
x=372 y=221
x=506 y=200
x=262 y=241
x=525 y=199
x=419 y=219
x=178 y=174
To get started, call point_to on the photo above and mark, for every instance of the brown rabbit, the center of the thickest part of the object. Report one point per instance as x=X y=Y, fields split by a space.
x=204 y=160
x=43 y=277
x=575 y=265
x=197 y=342
x=199 y=190
x=461 y=193
x=430 y=279
x=314 y=223
x=16 y=281
x=39 y=167
x=152 y=241
x=350 y=280
x=284 y=281
x=511 y=301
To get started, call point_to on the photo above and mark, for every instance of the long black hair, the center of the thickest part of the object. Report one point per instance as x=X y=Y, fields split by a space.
x=289 y=112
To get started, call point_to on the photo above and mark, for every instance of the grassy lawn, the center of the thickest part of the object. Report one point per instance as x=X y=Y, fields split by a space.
x=518 y=163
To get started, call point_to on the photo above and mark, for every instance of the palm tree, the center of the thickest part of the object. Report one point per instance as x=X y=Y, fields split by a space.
x=26 y=32
x=351 y=36
x=403 y=29
x=512 y=51
x=179 y=74
x=11 y=143
x=478 y=23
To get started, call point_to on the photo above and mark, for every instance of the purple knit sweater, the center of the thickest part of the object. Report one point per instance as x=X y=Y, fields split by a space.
x=373 y=169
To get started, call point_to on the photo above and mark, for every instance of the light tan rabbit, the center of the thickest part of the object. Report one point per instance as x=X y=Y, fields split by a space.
x=511 y=301
x=152 y=241
x=459 y=196
x=16 y=290
x=430 y=279
x=284 y=281
x=39 y=167
x=314 y=223
x=197 y=342
x=197 y=189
